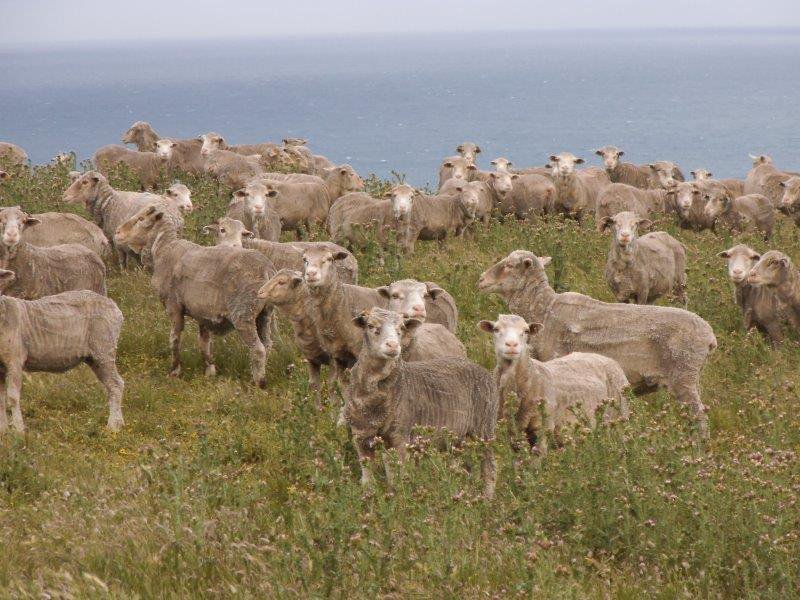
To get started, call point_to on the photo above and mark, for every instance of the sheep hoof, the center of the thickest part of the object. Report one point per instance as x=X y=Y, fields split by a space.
x=115 y=425
x=262 y=383
x=211 y=371
x=176 y=372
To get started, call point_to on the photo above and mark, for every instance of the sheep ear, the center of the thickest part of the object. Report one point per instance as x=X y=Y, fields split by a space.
x=96 y=178
x=487 y=326
x=724 y=254
x=545 y=260
x=459 y=148
x=6 y=277
x=340 y=255
x=598 y=152
x=579 y=161
x=645 y=223
x=31 y=221
x=296 y=280
x=652 y=166
x=534 y=328
x=782 y=183
x=383 y=291
x=272 y=193
x=494 y=162
x=459 y=188
x=240 y=193
x=755 y=256
x=548 y=166
x=361 y=320
x=493 y=175
x=472 y=168
x=248 y=234
x=527 y=262
x=693 y=174
x=784 y=262
x=412 y=324
x=447 y=163
x=606 y=223
x=515 y=176
x=553 y=158
x=434 y=290
x=477 y=149
x=621 y=153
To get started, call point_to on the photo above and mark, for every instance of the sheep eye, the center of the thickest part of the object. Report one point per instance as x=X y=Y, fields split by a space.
x=222 y=231
x=396 y=296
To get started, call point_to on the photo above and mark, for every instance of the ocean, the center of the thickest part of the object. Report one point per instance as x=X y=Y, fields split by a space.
x=383 y=103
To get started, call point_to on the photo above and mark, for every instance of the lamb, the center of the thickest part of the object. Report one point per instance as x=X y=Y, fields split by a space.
x=554 y=394
x=12 y=155
x=759 y=305
x=638 y=176
x=468 y=151
x=250 y=206
x=752 y=212
x=181 y=155
x=216 y=286
x=454 y=167
x=148 y=167
x=790 y=202
x=231 y=232
x=56 y=228
x=424 y=301
x=576 y=191
x=142 y=134
x=388 y=397
x=288 y=293
x=351 y=214
x=734 y=186
x=655 y=346
x=619 y=197
x=665 y=174
x=522 y=195
x=55 y=334
x=109 y=208
x=474 y=193
x=776 y=272
x=45 y=271
x=643 y=269
x=764 y=178
x=299 y=205
x=443 y=215
x=180 y=196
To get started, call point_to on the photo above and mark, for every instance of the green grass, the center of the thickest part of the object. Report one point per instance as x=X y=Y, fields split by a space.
x=215 y=488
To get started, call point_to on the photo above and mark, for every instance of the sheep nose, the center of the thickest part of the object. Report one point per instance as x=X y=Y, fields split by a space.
x=737 y=272
x=512 y=344
x=418 y=308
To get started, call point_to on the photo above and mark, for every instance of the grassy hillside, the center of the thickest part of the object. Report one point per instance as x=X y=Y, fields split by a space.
x=215 y=488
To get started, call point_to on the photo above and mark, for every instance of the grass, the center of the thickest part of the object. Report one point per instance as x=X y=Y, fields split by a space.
x=215 y=488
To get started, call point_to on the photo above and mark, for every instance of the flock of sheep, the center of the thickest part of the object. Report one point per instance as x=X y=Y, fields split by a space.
x=392 y=350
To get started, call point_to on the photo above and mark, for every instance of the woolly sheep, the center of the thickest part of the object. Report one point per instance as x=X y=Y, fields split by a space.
x=776 y=272
x=576 y=191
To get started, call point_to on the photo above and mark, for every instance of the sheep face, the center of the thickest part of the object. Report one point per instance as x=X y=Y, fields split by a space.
x=254 y=196
x=624 y=226
x=319 y=269
x=228 y=232
x=610 y=156
x=350 y=181
x=282 y=288
x=501 y=164
x=468 y=150
x=510 y=334
x=407 y=297
x=85 y=188
x=664 y=172
x=384 y=331
x=211 y=141
x=138 y=231
x=514 y=272
x=471 y=197
x=459 y=167
x=760 y=159
x=502 y=183
x=702 y=174
x=136 y=132
x=164 y=149
x=564 y=164
x=741 y=260
x=716 y=206
x=685 y=196
x=791 y=194
x=402 y=199
x=13 y=222
x=771 y=270
x=181 y=197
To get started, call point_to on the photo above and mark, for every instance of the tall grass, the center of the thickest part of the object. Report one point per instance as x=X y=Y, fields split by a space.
x=215 y=488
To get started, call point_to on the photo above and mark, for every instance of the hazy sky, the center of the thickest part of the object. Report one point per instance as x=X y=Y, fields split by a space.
x=43 y=21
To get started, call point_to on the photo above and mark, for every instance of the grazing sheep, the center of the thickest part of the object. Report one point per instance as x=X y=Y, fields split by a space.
x=759 y=305
x=776 y=272
x=109 y=208
x=45 y=271
x=216 y=286
x=554 y=394
x=180 y=196
x=655 y=345
x=620 y=197
x=148 y=168
x=576 y=191
x=734 y=186
x=12 y=155
x=231 y=232
x=55 y=334
x=469 y=151
x=388 y=397
x=56 y=228
x=474 y=193
x=259 y=216
x=642 y=269
x=299 y=205
x=638 y=176
x=790 y=202
x=752 y=212
x=665 y=174
x=142 y=134
x=522 y=195
x=454 y=167
x=425 y=301
x=288 y=293
x=443 y=215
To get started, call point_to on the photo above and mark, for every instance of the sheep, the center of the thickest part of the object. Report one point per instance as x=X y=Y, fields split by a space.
x=321 y=163
x=642 y=269
x=55 y=334
x=109 y=208
x=468 y=151
x=230 y=168
x=442 y=215
x=655 y=345
x=107 y=156
x=425 y=301
x=181 y=155
x=56 y=228
x=764 y=178
x=388 y=397
x=776 y=272
x=454 y=167
x=557 y=393
x=665 y=174
x=180 y=196
x=12 y=155
x=522 y=195
x=619 y=197
x=638 y=176
x=231 y=232
x=45 y=271
x=250 y=206
x=142 y=134
x=576 y=191
x=745 y=213
x=338 y=181
x=299 y=205
x=502 y=164
x=148 y=167
x=759 y=305
x=288 y=293
x=216 y=286
x=74 y=176
x=734 y=186
x=790 y=201
x=474 y=193
x=351 y=214
x=689 y=200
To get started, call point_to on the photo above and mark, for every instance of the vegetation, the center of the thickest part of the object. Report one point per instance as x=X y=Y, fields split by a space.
x=216 y=488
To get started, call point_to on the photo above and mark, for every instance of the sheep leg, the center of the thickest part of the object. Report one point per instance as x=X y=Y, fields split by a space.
x=266 y=323
x=13 y=390
x=108 y=375
x=204 y=341
x=774 y=333
x=686 y=391
x=3 y=413
x=122 y=258
x=488 y=471
x=314 y=382
x=248 y=333
x=177 y=319
x=365 y=449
